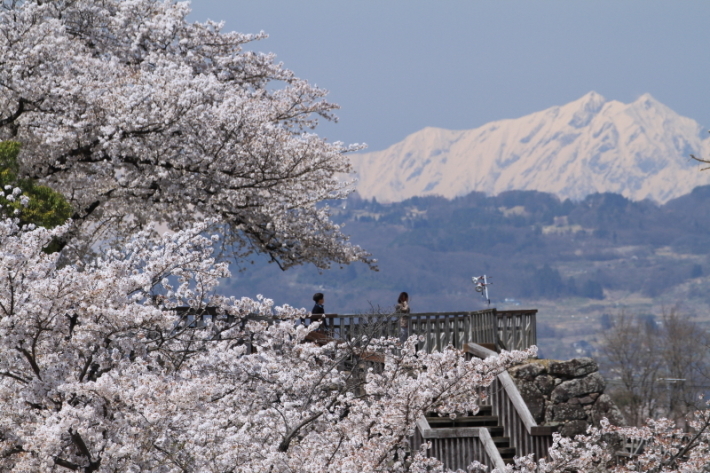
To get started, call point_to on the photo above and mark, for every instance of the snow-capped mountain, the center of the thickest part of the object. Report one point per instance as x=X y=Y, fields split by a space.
x=640 y=150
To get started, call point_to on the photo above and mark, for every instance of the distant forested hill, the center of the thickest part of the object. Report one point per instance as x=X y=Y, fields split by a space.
x=535 y=247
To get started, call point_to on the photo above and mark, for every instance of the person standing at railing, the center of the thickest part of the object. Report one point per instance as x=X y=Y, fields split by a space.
x=402 y=307
x=319 y=309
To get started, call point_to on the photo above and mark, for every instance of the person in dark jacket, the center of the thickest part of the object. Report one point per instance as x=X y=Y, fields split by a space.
x=319 y=309
x=402 y=307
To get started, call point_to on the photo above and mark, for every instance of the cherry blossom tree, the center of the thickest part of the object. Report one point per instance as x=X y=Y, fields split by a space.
x=99 y=373
x=138 y=116
x=660 y=447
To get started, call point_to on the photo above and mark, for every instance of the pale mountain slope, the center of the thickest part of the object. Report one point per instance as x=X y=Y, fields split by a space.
x=640 y=150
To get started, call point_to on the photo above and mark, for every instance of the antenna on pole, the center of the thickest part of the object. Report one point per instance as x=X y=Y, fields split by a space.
x=481 y=283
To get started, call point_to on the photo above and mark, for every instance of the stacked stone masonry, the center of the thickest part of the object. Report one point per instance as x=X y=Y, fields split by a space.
x=566 y=394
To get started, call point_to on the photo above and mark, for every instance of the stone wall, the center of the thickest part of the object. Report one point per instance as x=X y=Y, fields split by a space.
x=567 y=394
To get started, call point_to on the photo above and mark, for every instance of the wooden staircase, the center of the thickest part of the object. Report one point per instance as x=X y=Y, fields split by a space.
x=494 y=436
x=484 y=418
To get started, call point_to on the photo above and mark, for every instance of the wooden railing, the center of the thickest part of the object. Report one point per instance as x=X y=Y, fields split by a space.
x=513 y=414
x=458 y=447
x=516 y=329
x=456 y=329
x=437 y=329
x=510 y=330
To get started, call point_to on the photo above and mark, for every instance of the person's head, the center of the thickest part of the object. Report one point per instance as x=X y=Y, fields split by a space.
x=318 y=298
x=403 y=297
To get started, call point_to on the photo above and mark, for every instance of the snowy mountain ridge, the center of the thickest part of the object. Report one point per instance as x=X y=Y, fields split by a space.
x=640 y=150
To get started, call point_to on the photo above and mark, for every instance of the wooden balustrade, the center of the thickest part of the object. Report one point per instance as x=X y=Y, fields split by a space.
x=511 y=330
x=437 y=329
x=516 y=329
x=456 y=329
x=458 y=447
x=513 y=414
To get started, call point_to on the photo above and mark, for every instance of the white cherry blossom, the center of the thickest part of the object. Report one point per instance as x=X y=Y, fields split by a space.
x=138 y=116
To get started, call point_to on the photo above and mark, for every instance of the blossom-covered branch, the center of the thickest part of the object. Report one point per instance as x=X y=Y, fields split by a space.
x=138 y=116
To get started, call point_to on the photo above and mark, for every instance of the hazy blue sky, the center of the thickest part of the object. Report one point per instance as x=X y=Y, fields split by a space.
x=396 y=66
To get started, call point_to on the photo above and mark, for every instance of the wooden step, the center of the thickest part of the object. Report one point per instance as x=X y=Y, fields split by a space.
x=496 y=431
x=501 y=441
x=469 y=421
x=506 y=452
